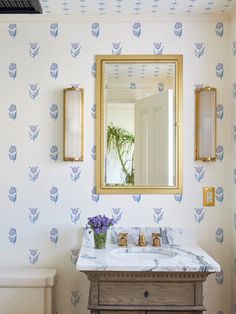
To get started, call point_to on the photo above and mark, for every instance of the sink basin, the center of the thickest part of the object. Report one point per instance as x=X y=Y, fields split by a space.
x=143 y=253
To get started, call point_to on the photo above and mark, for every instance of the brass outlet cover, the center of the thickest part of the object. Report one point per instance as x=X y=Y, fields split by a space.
x=209 y=196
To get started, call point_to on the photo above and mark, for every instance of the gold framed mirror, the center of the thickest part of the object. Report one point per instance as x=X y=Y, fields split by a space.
x=139 y=124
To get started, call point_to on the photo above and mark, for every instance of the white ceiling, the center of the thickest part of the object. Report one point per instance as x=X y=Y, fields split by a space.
x=88 y=8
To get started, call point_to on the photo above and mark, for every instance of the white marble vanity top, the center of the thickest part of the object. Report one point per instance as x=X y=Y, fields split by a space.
x=177 y=253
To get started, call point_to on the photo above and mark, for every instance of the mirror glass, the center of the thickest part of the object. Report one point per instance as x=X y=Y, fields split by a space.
x=139 y=115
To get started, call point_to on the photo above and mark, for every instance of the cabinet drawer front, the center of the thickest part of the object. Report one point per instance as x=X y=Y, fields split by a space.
x=146 y=293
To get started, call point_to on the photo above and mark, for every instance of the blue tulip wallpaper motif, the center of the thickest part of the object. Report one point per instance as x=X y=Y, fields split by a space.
x=54 y=70
x=54 y=194
x=136 y=197
x=12 y=153
x=117 y=214
x=34 y=132
x=178 y=197
x=199 y=215
x=34 y=256
x=74 y=256
x=54 y=29
x=219 y=70
x=220 y=235
x=54 y=235
x=33 y=215
x=12 y=112
x=75 y=50
x=34 y=91
x=219 y=111
x=158 y=215
x=34 y=173
x=12 y=70
x=178 y=29
x=137 y=29
x=75 y=173
x=33 y=49
x=54 y=111
x=12 y=30
x=12 y=194
x=234 y=48
x=93 y=70
x=54 y=152
x=95 y=197
x=219 y=29
x=158 y=48
x=199 y=173
x=75 y=215
x=45 y=201
x=199 y=49
x=95 y=29
x=12 y=236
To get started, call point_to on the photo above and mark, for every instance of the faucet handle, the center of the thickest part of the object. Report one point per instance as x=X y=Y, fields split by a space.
x=142 y=240
x=156 y=241
x=123 y=241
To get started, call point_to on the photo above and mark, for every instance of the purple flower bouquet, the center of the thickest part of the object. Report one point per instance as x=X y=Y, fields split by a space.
x=100 y=224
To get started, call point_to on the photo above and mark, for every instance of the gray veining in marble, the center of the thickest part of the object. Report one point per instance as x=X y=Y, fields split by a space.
x=177 y=253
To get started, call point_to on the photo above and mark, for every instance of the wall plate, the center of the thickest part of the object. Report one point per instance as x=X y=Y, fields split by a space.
x=209 y=196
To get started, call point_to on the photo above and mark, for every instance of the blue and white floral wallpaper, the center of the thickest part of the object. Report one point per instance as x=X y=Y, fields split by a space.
x=45 y=201
x=233 y=152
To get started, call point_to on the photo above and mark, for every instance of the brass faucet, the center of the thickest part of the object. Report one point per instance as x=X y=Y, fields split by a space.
x=142 y=240
x=156 y=241
x=123 y=241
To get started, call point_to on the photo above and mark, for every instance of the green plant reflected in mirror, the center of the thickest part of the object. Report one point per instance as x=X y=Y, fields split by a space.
x=139 y=122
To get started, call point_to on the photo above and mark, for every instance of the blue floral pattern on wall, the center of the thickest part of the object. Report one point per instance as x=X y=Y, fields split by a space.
x=158 y=48
x=199 y=49
x=49 y=199
x=33 y=132
x=199 y=215
x=54 y=152
x=75 y=173
x=12 y=236
x=33 y=91
x=220 y=70
x=12 y=112
x=12 y=153
x=219 y=29
x=94 y=196
x=54 y=30
x=178 y=29
x=95 y=29
x=137 y=29
x=12 y=194
x=33 y=215
x=158 y=215
x=54 y=112
x=54 y=70
x=75 y=50
x=75 y=215
x=12 y=70
x=33 y=49
x=12 y=30
x=34 y=256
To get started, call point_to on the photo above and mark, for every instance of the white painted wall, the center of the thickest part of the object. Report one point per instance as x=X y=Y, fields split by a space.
x=58 y=216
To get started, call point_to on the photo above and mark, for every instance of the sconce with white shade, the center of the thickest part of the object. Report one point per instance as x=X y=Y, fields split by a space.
x=73 y=124
x=205 y=133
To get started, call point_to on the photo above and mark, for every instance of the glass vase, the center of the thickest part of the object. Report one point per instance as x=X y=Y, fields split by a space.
x=100 y=240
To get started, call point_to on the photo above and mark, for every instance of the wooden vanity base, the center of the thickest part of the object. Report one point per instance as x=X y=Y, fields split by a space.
x=113 y=292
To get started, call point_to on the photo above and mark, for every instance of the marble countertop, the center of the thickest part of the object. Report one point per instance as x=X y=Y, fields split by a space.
x=177 y=253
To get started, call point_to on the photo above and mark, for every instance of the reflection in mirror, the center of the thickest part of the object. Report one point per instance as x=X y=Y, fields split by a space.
x=140 y=124
x=139 y=132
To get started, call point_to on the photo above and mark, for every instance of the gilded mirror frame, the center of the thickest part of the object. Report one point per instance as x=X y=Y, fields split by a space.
x=101 y=187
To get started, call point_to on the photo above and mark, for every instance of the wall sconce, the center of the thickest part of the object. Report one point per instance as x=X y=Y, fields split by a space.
x=73 y=124
x=205 y=133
